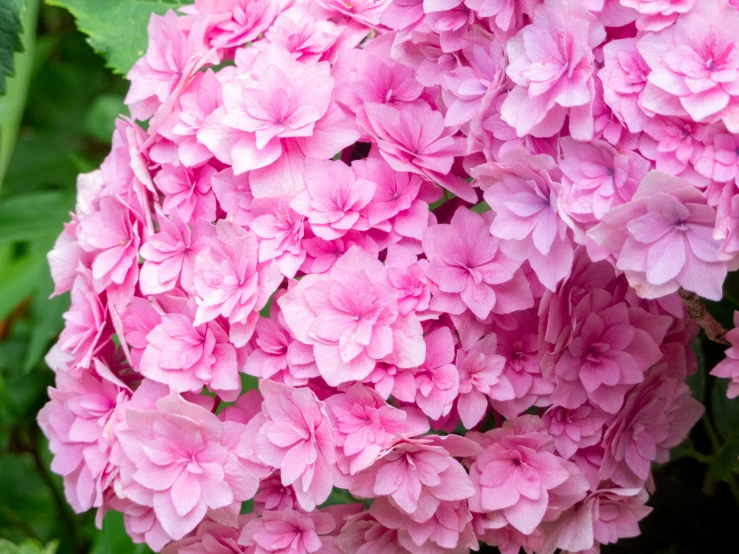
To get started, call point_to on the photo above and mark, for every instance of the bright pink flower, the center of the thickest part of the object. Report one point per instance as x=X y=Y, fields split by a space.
x=576 y=429
x=172 y=59
x=210 y=538
x=187 y=357
x=728 y=368
x=231 y=283
x=606 y=355
x=141 y=523
x=502 y=12
x=413 y=139
x=137 y=322
x=306 y=38
x=516 y=473
x=66 y=258
x=673 y=143
x=236 y=22
x=389 y=379
x=663 y=239
x=694 y=64
x=407 y=275
x=362 y=534
x=188 y=191
x=75 y=420
x=176 y=462
x=480 y=377
x=656 y=417
x=364 y=424
x=655 y=15
x=350 y=316
x=273 y=495
x=280 y=230
x=552 y=66
x=437 y=380
x=624 y=76
x=605 y=516
x=523 y=193
x=419 y=474
x=289 y=532
x=719 y=161
x=469 y=269
x=334 y=199
x=276 y=115
x=234 y=195
x=296 y=439
x=323 y=254
x=364 y=12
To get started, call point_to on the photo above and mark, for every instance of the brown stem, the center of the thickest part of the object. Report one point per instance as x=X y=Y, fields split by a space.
x=698 y=313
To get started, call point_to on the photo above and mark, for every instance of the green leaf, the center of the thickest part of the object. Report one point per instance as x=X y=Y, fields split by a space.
x=113 y=539
x=47 y=322
x=726 y=461
x=27 y=547
x=18 y=280
x=117 y=28
x=13 y=103
x=725 y=412
x=11 y=27
x=100 y=120
x=34 y=216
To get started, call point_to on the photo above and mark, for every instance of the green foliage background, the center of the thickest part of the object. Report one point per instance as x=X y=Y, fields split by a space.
x=56 y=121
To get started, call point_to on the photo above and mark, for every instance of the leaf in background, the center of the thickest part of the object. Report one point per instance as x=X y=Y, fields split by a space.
x=11 y=26
x=100 y=120
x=725 y=411
x=725 y=462
x=27 y=547
x=117 y=28
x=114 y=540
x=18 y=280
x=34 y=216
x=13 y=103
x=47 y=322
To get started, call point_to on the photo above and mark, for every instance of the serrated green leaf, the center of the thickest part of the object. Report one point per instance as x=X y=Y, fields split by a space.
x=11 y=26
x=117 y=28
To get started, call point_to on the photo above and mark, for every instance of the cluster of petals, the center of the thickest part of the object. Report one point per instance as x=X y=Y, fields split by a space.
x=397 y=276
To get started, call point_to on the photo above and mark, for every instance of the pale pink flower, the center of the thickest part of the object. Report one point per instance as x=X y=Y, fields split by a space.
x=413 y=138
x=389 y=379
x=469 y=269
x=719 y=161
x=501 y=12
x=273 y=495
x=419 y=474
x=437 y=379
x=75 y=420
x=210 y=537
x=234 y=195
x=402 y=14
x=186 y=357
x=480 y=377
x=188 y=191
x=516 y=472
x=333 y=200
x=363 y=534
x=172 y=59
x=289 y=532
x=275 y=116
x=350 y=316
x=655 y=15
x=523 y=193
x=169 y=255
x=573 y=430
x=231 y=283
x=407 y=275
x=675 y=144
x=663 y=239
x=141 y=523
x=136 y=323
x=363 y=12
x=296 y=438
x=656 y=417
x=280 y=230
x=552 y=65
x=694 y=64
x=306 y=38
x=364 y=424
x=236 y=22
x=66 y=257
x=728 y=368
x=176 y=462
x=323 y=254
x=624 y=76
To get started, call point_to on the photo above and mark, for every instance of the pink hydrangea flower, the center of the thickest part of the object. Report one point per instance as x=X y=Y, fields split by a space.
x=719 y=161
x=728 y=368
x=210 y=537
x=481 y=377
x=524 y=195
x=624 y=76
x=407 y=275
x=663 y=239
x=188 y=191
x=437 y=379
x=655 y=15
x=296 y=438
x=351 y=318
x=574 y=430
x=470 y=270
x=694 y=64
x=236 y=22
x=363 y=534
x=289 y=531
x=280 y=230
x=231 y=283
x=306 y=38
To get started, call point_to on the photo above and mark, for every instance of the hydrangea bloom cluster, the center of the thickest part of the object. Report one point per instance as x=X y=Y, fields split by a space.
x=446 y=238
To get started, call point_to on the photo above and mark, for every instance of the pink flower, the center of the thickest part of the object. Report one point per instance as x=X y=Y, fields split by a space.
x=469 y=269
x=231 y=283
x=234 y=195
x=606 y=355
x=237 y=22
x=323 y=254
x=573 y=430
x=350 y=316
x=525 y=198
x=663 y=239
x=334 y=199
x=362 y=534
x=728 y=368
x=417 y=475
x=276 y=115
x=296 y=438
x=656 y=417
x=407 y=275
x=75 y=420
x=169 y=255
x=502 y=12
x=437 y=380
x=187 y=357
x=210 y=538
x=694 y=64
x=480 y=377
x=719 y=161
x=624 y=76
x=552 y=66
x=306 y=38
x=516 y=473
x=188 y=191
x=655 y=15
x=673 y=143
x=364 y=12
x=413 y=139
x=172 y=59
x=280 y=230
x=364 y=425
x=177 y=463
x=288 y=531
